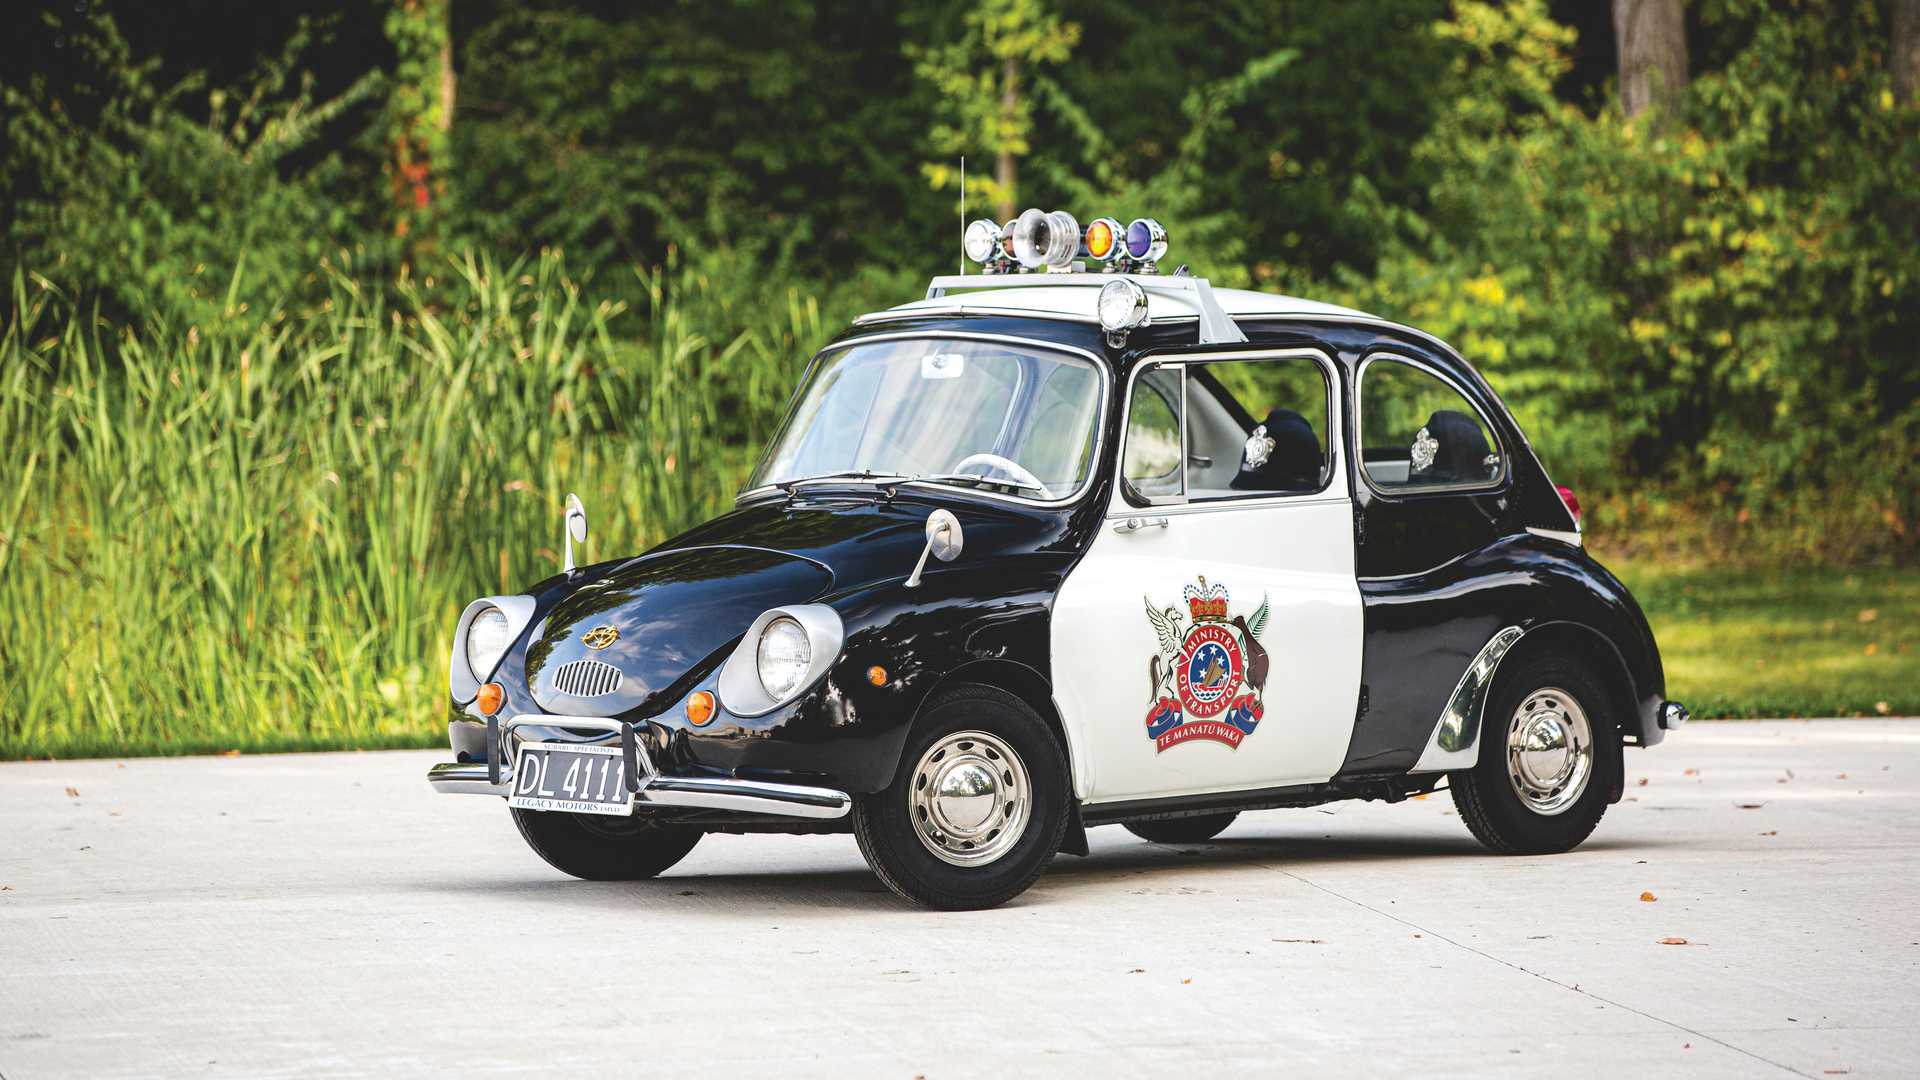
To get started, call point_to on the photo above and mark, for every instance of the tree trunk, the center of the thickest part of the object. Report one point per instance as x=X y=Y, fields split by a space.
x=420 y=112
x=1652 y=38
x=1006 y=172
x=1906 y=50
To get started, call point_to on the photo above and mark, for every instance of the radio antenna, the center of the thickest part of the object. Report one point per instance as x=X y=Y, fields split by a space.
x=963 y=213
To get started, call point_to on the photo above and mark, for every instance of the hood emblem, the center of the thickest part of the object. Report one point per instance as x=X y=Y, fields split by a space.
x=600 y=637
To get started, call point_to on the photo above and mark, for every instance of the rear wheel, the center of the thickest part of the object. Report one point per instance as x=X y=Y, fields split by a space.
x=978 y=808
x=1184 y=830
x=1547 y=757
x=604 y=848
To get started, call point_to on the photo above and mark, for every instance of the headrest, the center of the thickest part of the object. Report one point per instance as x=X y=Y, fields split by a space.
x=1449 y=450
x=1282 y=454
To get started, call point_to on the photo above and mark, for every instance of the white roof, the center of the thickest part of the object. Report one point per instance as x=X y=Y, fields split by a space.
x=1077 y=302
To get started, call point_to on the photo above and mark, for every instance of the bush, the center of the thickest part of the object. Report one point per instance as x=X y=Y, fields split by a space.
x=1725 y=299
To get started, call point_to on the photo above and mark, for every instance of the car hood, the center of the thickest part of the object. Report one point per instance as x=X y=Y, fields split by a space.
x=660 y=621
x=677 y=609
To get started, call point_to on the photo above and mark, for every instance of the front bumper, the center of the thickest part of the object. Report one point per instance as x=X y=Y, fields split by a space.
x=650 y=787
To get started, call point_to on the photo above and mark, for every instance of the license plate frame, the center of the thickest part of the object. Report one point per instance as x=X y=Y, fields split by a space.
x=547 y=776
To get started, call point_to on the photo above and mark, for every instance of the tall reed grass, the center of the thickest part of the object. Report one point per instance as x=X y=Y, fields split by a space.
x=257 y=534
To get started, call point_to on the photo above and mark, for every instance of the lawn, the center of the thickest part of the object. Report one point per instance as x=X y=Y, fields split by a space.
x=1799 y=640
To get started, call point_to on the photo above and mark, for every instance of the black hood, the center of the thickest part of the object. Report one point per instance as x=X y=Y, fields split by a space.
x=673 y=612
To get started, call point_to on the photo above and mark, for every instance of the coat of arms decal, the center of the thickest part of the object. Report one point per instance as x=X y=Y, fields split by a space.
x=1208 y=677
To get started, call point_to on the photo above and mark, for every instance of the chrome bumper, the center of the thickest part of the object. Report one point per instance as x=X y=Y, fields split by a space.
x=706 y=793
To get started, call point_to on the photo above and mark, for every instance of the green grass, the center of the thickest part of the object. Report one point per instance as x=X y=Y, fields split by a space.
x=1784 y=640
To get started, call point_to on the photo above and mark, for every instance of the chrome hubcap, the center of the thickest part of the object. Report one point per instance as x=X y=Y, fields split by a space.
x=969 y=799
x=1549 y=750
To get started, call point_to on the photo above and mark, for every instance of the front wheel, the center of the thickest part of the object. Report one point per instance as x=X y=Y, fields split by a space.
x=604 y=848
x=978 y=808
x=1548 y=752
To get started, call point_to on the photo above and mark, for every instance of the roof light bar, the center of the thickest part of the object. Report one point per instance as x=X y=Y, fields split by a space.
x=1048 y=240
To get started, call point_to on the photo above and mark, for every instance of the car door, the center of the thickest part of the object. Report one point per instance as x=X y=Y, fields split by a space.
x=1210 y=639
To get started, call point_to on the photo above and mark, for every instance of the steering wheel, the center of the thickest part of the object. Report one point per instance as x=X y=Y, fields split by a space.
x=1006 y=465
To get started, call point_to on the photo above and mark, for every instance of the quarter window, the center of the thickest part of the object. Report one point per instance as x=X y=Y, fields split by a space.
x=1152 y=463
x=1420 y=432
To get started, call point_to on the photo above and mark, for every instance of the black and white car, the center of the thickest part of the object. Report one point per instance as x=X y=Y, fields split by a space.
x=1087 y=544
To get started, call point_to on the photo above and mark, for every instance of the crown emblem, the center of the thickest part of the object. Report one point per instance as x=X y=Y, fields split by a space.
x=1207 y=603
x=600 y=637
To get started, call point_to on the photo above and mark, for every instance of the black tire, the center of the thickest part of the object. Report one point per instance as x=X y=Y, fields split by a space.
x=1485 y=794
x=886 y=822
x=1182 y=830
x=604 y=848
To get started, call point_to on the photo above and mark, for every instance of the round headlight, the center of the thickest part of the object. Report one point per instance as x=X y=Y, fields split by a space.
x=784 y=654
x=488 y=636
x=1123 y=305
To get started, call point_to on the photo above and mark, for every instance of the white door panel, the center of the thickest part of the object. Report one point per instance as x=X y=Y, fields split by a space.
x=1171 y=703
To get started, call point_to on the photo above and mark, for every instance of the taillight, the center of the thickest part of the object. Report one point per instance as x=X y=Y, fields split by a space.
x=1571 y=500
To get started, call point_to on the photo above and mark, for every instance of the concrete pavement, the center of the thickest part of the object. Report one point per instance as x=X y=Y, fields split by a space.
x=321 y=915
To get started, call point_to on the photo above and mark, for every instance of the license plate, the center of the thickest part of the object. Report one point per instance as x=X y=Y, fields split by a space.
x=571 y=778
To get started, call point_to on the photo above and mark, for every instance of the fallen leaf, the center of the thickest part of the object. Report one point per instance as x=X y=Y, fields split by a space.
x=1301 y=940
x=1647 y=898
x=1186 y=982
x=1643 y=782
x=119 y=764
x=1771 y=832
x=1674 y=941
x=1691 y=772
x=72 y=792
x=1138 y=971
x=1869 y=614
x=229 y=753
x=1842 y=776
x=1750 y=805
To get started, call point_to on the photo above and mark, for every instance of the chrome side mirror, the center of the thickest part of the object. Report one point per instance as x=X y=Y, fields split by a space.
x=944 y=541
x=576 y=528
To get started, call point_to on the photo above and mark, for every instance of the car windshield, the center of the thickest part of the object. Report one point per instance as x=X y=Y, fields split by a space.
x=1012 y=417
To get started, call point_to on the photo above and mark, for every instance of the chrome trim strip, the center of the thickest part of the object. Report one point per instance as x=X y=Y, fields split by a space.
x=747 y=796
x=1556 y=534
x=1454 y=743
x=466 y=778
x=1099 y=421
x=1673 y=714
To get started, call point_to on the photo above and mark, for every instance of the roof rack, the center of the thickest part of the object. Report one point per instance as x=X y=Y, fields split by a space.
x=1216 y=326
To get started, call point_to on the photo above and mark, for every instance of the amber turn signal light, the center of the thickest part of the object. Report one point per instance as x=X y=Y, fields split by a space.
x=490 y=698
x=700 y=708
x=877 y=675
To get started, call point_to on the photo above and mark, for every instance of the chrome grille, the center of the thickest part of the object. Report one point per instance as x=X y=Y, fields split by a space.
x=586 y=678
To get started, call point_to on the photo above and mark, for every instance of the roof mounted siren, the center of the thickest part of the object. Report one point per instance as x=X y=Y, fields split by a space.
x=1050 y=242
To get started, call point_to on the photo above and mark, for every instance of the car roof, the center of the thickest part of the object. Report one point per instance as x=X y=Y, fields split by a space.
x=1079 y=303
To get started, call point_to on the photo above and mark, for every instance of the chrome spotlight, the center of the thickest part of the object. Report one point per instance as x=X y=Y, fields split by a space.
x=1122 y=306
x=1042 y=239
x=982 y=241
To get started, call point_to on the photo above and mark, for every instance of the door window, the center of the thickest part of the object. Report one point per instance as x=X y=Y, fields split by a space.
x=1419 y=432
x=1256 y=427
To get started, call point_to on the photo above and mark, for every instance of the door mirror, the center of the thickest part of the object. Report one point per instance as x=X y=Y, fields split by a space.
x=944 y=541
x=576 y=527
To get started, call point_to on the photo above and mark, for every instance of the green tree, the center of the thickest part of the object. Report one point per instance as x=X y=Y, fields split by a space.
x=981 y=80
x=420 y=112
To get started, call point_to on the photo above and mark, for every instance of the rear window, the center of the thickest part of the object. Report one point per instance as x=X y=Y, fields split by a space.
x=1418 y=431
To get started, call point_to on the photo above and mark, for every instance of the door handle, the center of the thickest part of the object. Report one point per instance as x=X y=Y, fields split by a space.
x=1135 y=524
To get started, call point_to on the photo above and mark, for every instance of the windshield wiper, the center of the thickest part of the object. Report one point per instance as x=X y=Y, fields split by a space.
x=849 y=474
x=948 y=478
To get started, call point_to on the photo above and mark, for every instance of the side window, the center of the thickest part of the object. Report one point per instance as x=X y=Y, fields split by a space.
x=1152 y=462
x=1419 y=432
x=1257 y=427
